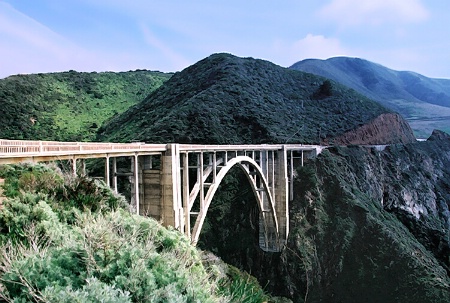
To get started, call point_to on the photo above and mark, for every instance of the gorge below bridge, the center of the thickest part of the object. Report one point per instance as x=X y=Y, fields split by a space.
x=176 y=183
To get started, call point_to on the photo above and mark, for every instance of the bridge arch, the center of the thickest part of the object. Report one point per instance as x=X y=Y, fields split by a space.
x=164 y=191
x=261 y=190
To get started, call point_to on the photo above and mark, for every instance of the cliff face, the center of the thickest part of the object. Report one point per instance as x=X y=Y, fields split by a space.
x=371 y=226
x=387 y=128
x=366 y=226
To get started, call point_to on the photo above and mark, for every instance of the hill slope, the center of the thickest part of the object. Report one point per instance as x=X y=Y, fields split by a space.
x=69 y=105
x=71 y=239
x=229 y=100
x=424 y=102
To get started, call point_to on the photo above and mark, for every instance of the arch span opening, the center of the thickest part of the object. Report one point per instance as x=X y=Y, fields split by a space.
x=268 y=220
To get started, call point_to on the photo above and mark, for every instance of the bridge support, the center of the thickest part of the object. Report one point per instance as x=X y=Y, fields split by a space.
x=136 y=183
x=180 y=192
x=281 y=195
x=167 y=195
x=158 y=190
x=171 y=207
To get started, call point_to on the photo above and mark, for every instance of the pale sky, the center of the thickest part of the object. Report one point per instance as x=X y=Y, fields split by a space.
x=39 y=36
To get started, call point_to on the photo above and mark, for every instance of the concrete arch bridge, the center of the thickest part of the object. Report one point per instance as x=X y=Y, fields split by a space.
x=176 y=183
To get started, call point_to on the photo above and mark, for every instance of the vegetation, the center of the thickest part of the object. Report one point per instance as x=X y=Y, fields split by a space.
x=70 y=239
x=324 y=90
x=226 y=99
x=69 y=106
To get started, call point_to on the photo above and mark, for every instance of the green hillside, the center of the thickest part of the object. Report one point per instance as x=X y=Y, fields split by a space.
x=71 y=239
x=69 y=106
x=424 y=102
x=365 y=225
x=230 y=100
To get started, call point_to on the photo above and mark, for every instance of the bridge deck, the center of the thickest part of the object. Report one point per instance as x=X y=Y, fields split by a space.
x=13 y=151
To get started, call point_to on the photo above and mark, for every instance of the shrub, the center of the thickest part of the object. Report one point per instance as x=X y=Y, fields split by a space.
x=93 y=291
x=103 y=253
x=241 y=287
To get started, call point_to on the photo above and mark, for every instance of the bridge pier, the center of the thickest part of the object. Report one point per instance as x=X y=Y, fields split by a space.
x=281 y=195
x=115 y=175
x=157 y=193
x=171 y=206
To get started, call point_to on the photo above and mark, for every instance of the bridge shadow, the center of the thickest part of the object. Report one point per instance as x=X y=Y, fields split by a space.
x=232 y=224
x=231 y=228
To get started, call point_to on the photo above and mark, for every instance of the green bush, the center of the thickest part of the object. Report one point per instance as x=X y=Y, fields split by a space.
x=29 y=177
x=241 y=287
x=102 y=253
x=92 y=292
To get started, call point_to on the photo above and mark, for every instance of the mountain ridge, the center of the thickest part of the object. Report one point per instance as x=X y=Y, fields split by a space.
x=423 y=101
x=233 y=100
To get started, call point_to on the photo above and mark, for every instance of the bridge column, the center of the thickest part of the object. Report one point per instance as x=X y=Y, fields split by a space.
x=150 y=183
x=267 y=229
x=145 y=186
x=281 y=195
x=74 y=166
x=115 y=175
x=83 y=167
x=171 y=206
x=136 y=182
x=107 y=174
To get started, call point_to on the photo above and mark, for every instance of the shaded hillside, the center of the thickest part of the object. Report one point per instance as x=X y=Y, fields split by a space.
x=378 y=228
x=365 y=226
x=424 y=102
x=69 y=106
x=226 y=99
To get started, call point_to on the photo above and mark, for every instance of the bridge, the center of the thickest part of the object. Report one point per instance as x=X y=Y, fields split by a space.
x=176 y=183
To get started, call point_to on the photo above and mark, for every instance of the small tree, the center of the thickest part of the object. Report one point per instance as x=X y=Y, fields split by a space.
x=324 y=90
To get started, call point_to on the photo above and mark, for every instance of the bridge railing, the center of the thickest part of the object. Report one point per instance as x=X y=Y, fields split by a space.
x=8 y=147
x=244 y=147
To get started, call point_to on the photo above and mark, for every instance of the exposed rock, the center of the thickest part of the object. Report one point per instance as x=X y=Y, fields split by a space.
x=438 y=135
x=373 y=226
x=389 y=128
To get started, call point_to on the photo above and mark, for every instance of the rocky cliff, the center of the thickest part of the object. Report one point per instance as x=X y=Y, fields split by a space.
x=384 y=129
x=371 y=226
x=366 y=226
